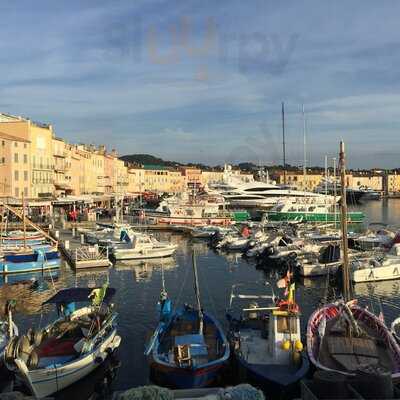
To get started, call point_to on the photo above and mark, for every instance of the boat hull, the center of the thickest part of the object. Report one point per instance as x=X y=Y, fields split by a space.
x=273 y=379
x=46 y=381
x=319 y=269
x=353 y=217
x=21 y=267
x=132 y=254
x=374 y=274
x=181 y=378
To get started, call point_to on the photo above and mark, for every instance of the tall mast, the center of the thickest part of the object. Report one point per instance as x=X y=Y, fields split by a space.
x=23 y=218
x=304 y=150
x=345 y=267
x=326 y=188
x=283 y=143
x=197 y=292
x=334 y=189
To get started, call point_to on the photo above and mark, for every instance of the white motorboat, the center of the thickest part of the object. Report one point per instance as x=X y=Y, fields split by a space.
x=203 y=232
x=326 y=262
x=71 y=347
x=142 y=246
x=373 y=269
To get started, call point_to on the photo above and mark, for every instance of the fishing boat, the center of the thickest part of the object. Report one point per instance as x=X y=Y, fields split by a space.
x=266 y=341
x=309 y=211
x=141 y=246
x=28 y=257
x=69 y=348
x=188 y=349
x=38 y=262
x=344 y=337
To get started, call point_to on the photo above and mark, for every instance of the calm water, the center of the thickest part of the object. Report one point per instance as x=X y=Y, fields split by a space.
x=138 y=287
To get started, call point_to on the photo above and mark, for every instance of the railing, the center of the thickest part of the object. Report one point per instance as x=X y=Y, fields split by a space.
x=90 y=253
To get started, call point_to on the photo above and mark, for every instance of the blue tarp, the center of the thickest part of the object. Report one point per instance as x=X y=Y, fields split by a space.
x=196 y=342
x=76 y=295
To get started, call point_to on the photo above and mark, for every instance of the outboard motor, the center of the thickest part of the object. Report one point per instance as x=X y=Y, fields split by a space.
x=329 y=254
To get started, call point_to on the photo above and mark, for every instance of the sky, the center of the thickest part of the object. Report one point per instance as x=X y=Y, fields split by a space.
x=203 y=80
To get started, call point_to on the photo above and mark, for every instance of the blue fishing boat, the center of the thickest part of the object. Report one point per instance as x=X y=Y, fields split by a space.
x=39 y=262
x=266 y=342
x=188 y=349
x=29 y=254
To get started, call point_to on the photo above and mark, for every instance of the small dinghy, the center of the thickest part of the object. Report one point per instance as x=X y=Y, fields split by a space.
x=266 y=342
x=69 y=348
x=188 y=349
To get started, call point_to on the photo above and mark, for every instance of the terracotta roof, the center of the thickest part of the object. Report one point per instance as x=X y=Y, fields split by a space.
x=11 y=137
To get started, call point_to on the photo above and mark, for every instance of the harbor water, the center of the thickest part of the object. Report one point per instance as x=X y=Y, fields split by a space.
x=138 y=287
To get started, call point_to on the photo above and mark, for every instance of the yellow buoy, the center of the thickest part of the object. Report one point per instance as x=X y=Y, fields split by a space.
x=286 y=345
x=298 y=345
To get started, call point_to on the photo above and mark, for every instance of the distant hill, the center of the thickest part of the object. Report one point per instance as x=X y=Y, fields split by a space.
x=148 y=159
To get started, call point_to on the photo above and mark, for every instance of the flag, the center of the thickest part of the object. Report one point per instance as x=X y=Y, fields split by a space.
x=281 y=283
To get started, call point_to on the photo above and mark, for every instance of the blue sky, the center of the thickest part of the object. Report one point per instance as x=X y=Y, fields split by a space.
x=204 y=80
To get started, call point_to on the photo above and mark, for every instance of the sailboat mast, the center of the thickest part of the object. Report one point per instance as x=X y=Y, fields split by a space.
x=197 y=291
x=304 y=150
x=23 y=219
x=283 y=143
x=345 y=267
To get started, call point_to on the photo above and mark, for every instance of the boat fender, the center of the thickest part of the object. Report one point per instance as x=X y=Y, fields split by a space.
x=298 y=345
x=33 y=360
x=285 y=345
x=23 y=348
x=10 y=352
x=98 y=360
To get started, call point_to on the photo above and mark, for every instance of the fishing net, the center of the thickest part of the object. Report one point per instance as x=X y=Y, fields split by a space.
x=146 y=393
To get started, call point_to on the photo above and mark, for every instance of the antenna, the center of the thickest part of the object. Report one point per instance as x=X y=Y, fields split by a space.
x=304 y=149
x=283 y=143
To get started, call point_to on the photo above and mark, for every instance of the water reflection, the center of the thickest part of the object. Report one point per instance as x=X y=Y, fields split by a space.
x=143 y=270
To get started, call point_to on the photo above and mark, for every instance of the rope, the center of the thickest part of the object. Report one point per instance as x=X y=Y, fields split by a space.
x=209 y=295
x=183 y=285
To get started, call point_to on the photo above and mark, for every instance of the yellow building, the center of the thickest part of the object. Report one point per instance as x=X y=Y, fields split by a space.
x=14 y=166
x=40 y=137
x=374 y=182
x=393 y=182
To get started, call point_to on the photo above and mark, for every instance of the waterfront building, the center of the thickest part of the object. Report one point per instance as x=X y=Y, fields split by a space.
x=14 y=166
x=374 y=182
x=40 y=165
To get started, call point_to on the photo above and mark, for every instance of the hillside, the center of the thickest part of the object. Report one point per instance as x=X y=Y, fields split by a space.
x=148 y=159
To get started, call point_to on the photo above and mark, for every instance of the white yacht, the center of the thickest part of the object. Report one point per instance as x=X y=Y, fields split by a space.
x=259 y=194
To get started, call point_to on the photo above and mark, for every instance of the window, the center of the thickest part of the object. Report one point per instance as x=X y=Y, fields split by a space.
x=25 y=176
x=15 y=144
x=3 y=143
x=283 y=325
x=16 y=175
x=16 y=192
x=26 y=192
x=16 y=157
x=25 y=159
x=25 y=145
x=3 y=160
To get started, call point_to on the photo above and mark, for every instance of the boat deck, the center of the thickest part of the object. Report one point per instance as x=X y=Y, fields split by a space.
x=183 y=328
x=341 y=352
